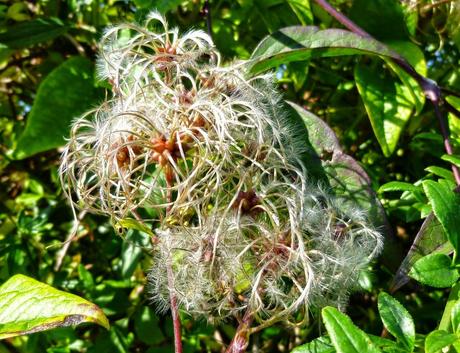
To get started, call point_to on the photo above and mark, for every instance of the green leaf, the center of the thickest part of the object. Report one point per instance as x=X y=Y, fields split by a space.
x=453 y=23
x=299 y=43
x=302 y=10
x=414 y=56
x=311 y=134
x=319 y=134
x=441 y=172
x=410 y=17
x=435 y=270
x=384 y=19
x=387 y=105
x=28 y=306
x=131 y=223
x=397 y=320
x=345 y=336
x=5 y=53
x=131 y=252
x=387 y=345
x=446 y=205
x=18 y=11
x=86 y=277
x=146 y=326
x=162 y=6
x=437 y=340
x=400 y=186
x=455 y=316
x=454 y=122
x=298 y=72
x=411 y=52
x=446 y=318
x=66 y=92
x=26 y=34
x=430 y=239
x=319 y=345
x=452 y=159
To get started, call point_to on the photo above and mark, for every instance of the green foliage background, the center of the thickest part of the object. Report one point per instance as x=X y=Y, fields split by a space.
x=47 y=53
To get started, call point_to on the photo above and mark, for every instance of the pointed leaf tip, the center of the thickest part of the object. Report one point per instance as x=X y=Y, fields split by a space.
x=345 y=336
x=397 y=320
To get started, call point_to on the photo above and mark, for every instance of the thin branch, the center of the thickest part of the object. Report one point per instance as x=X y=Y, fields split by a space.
x=70 y=237
x=207 y=13
x=77 y=45
x=430 y=88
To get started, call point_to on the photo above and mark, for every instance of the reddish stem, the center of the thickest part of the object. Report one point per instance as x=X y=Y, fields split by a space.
x=342 y=18
x=172 y=295
x=240 y=341
x=174 y=311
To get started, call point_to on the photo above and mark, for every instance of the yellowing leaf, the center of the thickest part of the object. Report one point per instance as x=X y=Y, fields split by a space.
x=28 y=306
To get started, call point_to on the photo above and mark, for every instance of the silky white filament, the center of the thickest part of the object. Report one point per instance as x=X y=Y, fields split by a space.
x=210 y=150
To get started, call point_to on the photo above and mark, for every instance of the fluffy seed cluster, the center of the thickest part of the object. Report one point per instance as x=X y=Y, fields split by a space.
x=207 y=149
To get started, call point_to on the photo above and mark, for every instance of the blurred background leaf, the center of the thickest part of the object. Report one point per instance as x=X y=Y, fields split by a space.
x=65 y=93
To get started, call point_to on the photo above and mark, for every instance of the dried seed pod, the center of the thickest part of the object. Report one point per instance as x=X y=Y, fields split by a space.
x=211 y=150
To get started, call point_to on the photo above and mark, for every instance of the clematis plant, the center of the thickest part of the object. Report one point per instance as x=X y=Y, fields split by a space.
x=240 y=230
